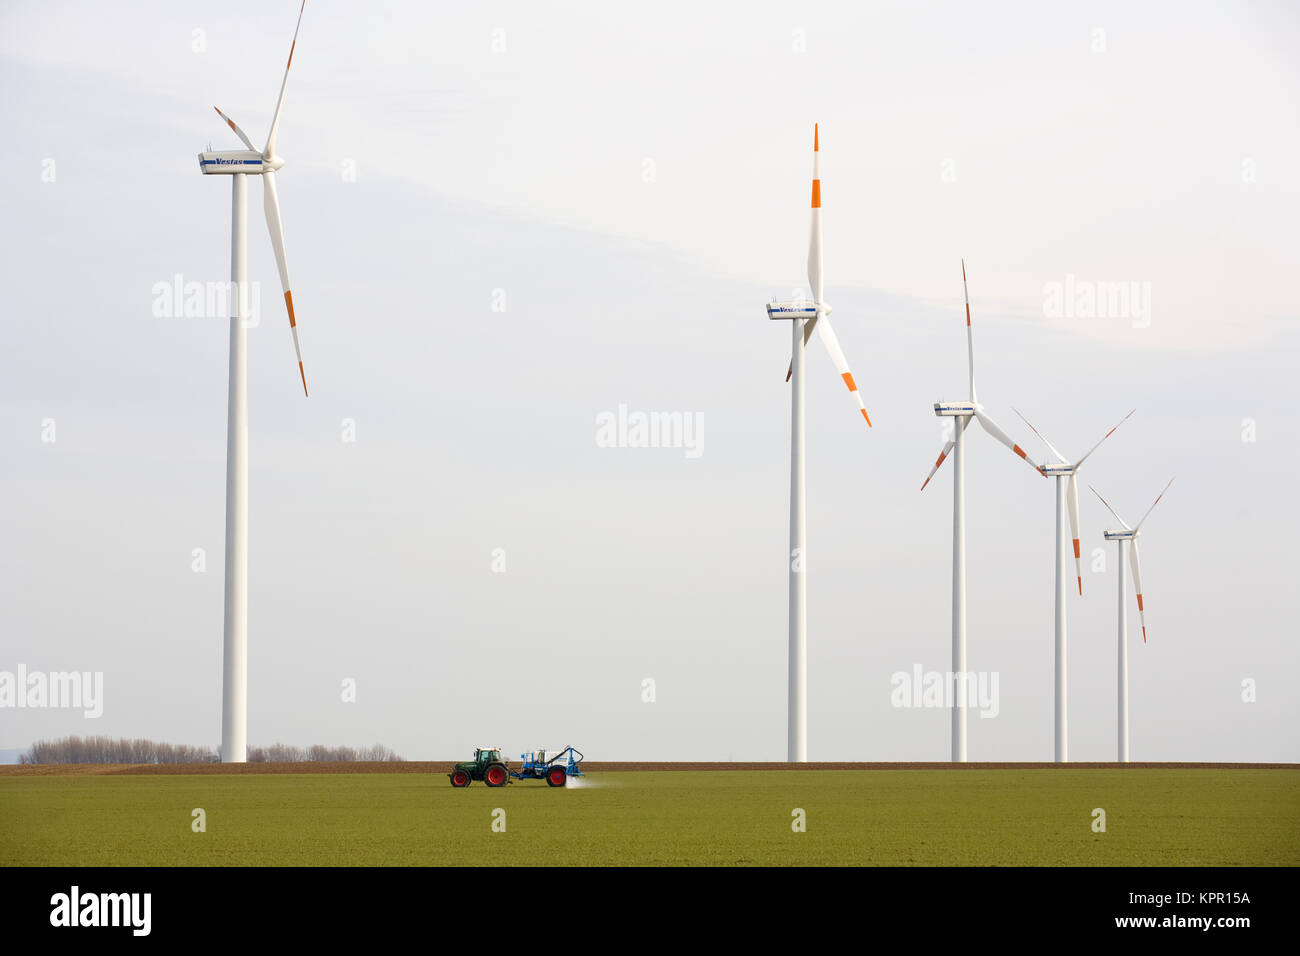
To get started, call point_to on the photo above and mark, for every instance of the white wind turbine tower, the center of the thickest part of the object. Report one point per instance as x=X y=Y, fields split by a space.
x=1067 y=498
x=238 y=164
x=963 y=412
x=805 y=317
x=1119 y=537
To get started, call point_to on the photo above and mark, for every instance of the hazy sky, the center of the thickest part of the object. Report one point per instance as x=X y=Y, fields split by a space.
x=507 y=220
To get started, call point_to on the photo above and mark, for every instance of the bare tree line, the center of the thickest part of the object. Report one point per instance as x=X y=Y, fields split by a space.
x=287 y=753
x=107 y=750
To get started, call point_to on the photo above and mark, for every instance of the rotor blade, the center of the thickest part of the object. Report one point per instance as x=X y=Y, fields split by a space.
x=814 y=251
x=991 y=427
x=970 y=345
x=841 y=363
x=946 y=449
x=275 y=120
x=1137 y=584
x=1103 y=438
x=815 y=229
x=238 y=132
x=1072 y=499
x=1154 y=503
x=1050 y=447
x=272 y=204
x=1109 y=508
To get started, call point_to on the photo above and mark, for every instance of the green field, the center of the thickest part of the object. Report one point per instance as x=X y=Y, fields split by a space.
x=904 y=817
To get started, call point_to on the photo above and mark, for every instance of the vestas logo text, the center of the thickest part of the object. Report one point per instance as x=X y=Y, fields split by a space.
x=102 y=909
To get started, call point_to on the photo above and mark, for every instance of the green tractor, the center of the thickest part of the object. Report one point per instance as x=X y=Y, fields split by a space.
x=487 y=766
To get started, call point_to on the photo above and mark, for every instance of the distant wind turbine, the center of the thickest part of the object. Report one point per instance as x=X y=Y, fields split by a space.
x=963 y=412
x=1119 y=537
x=1061 y=470
x=238 y=164
x=805 y=317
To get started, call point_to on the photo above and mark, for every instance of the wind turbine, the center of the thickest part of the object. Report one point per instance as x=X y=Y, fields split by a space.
x=963 y=412
x=805 y=317
x=239 y=164
x=1119 y=537
x=1067 y=498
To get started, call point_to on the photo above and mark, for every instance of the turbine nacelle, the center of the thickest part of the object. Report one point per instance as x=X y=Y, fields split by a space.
x=1119 y=535
x=1058 y=470
x=230 y=161
x=796 y=309
x=955 y=409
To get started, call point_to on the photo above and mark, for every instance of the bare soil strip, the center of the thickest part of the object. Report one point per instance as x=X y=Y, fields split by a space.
x=591 y=766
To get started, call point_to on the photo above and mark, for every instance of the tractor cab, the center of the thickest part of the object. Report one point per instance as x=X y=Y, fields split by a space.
x=487 y=766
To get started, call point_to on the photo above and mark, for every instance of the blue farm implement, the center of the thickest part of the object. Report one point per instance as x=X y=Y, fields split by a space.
x=553 y=768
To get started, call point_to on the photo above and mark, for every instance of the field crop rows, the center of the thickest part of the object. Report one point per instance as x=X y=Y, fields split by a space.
x=881 y=817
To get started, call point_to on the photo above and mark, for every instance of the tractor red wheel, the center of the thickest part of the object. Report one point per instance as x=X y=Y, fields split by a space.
x=555 y=776
x=460 y=779
x=495 y=776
